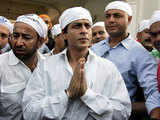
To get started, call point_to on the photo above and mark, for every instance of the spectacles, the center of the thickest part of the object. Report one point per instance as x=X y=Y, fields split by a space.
x=4 y=36
x=154 y=34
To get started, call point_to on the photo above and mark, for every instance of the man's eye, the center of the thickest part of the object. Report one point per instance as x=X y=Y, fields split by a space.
x=117 y=16
x=27 y=37
x=101 y=32
x=87 y=26
x=107 y=16
x=153 y=34
x=15 y=36
x=77 y=26
x=94 y=34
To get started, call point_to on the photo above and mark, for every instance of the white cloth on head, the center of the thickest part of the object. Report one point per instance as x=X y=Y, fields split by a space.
x=144 y=24
x=5 y=22
x=155 y=17
x=119 y=5
x=98 y=24
x=72 y=14
x=56 y=29
x=35 y=22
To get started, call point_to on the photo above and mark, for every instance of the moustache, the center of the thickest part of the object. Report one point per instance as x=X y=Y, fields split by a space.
x=20 y=48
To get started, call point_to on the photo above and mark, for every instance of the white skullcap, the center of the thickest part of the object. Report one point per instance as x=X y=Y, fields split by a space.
x=99 y=24
x=36 y=22
x=56 y=29
x=119 y=5
x=144 y=24
x=155 y=17
x=5 y=22
x=73 y=14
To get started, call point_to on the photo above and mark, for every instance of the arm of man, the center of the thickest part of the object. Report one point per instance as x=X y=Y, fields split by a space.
x=113 y=102
x=37 y=104
x=146 y=69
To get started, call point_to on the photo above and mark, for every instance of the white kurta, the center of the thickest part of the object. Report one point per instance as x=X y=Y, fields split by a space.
x=14 y=76
x=105 y=99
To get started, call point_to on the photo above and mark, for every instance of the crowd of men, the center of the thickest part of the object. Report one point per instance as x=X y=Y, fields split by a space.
x=77 y=70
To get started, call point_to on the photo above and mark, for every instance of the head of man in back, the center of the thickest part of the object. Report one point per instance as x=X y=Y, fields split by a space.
x=28 y=35
x=60 y=43
x=98 y=32
x=118 y=16
x=6 y=29
x=154 y=26
x=143 y=35
x=76 y=25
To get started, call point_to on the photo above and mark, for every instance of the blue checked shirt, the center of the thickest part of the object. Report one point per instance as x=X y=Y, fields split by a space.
x=135 y=65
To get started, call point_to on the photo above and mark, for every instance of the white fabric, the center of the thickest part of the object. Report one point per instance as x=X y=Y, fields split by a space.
x=56 y=29
x=105 y=99
x=120 y=5
x=98 y=24
x=73 y=14
x=36 y=22
x=5 y=22
x=155 y=17
x=144 y=24
x=14 y=76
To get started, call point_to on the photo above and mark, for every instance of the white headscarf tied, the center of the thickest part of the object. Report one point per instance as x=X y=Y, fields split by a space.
x=144 y=24
x=155 y=17
x=119 y=5
x=5 y=22
x=73 y=14
x=56 y=29
x=99 y=24
x=36 y=22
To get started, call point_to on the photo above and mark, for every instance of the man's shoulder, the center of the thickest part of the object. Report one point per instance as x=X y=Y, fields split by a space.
x=4 y=57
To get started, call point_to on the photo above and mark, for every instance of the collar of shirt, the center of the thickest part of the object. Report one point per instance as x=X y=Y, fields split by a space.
x=102 y=47
x=13 y=60
x=90 y=58
x=126 y=43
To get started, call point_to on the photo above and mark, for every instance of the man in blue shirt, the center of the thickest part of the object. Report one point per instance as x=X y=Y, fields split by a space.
x=134 y=62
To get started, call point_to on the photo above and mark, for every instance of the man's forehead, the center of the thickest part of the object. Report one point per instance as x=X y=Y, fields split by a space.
x=115 y=11
x=19 y=26
x=81 y=21
x=97 y=28
x=155 y=26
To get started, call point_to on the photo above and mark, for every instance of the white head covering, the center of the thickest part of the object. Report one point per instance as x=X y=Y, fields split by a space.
x=119 y=5
x=73 y=14
x=56 y=29
x=144 y=24
x=99 y=24
x=36 y=22
x=155 y=17
x=5 y=22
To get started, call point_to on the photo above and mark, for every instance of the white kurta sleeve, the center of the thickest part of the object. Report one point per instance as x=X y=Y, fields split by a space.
x=111 y=104
x=37 y=105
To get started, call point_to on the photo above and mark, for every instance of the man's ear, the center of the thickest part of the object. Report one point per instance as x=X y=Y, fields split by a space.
x=64 y=35
x=41 y=41
x=129 y=19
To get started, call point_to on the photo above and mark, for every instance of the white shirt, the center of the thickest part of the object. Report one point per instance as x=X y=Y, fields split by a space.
x=14 y=75
x=105 y=99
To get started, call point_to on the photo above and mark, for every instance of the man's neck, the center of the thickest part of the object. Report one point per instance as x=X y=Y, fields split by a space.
x=75 y=55
x=31 y=63
x=57 y=50
x=113 y=41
